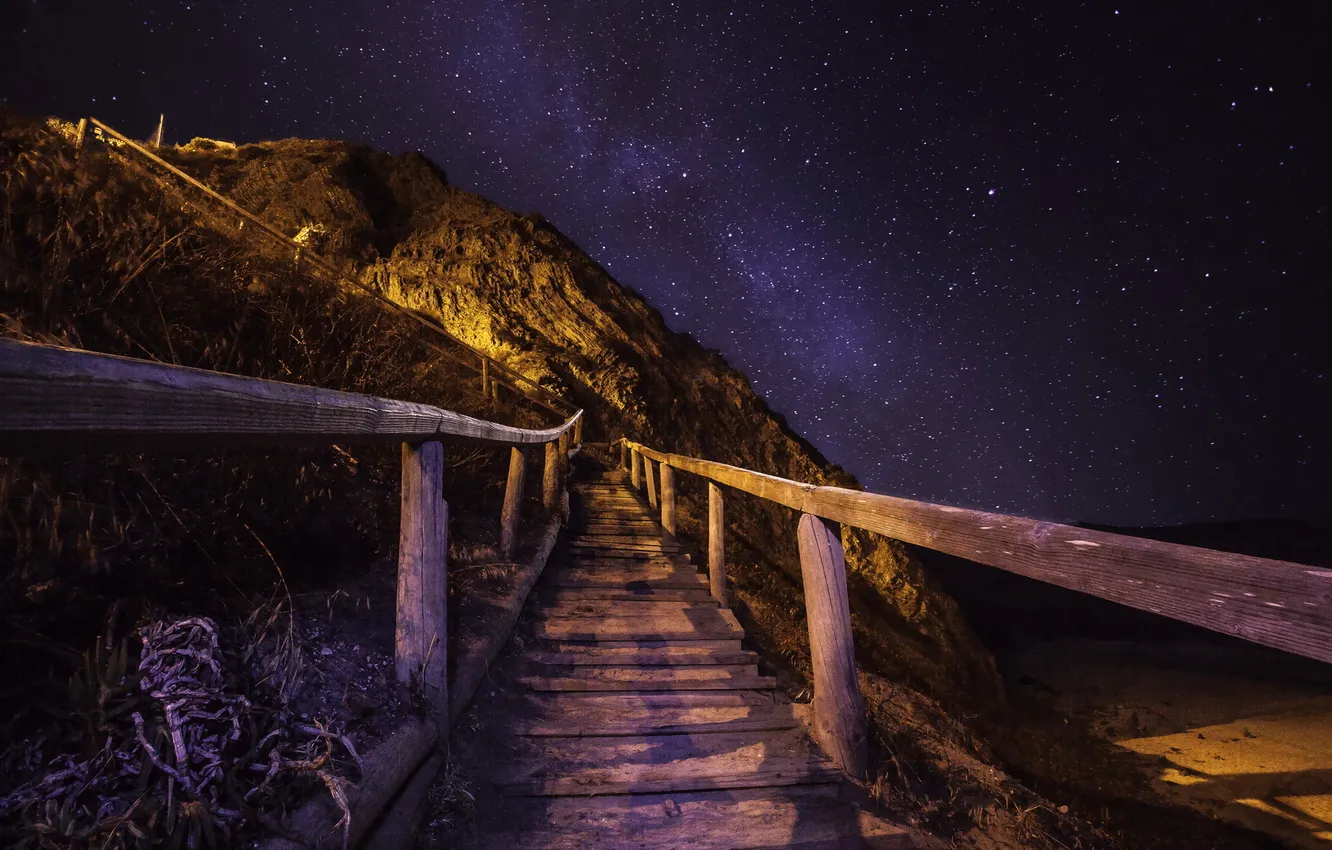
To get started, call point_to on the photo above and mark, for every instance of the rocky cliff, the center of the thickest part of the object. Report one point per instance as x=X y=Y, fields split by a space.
x=514 y=287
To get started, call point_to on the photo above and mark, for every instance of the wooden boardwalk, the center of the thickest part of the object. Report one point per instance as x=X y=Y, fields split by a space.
x=633 y=718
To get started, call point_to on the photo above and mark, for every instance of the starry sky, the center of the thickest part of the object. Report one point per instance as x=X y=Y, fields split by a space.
x=1059 y=259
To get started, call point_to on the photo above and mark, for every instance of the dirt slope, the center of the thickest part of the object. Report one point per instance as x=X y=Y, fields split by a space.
x=513 y=286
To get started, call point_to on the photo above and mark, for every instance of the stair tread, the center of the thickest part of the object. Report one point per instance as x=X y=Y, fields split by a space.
x=803 y=817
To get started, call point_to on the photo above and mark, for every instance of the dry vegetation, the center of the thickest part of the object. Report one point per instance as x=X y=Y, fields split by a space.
x=114 y=554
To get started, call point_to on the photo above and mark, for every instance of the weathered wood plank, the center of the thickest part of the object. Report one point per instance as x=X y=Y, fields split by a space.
x=421 y=620
x=717 y=542
x=611 y=608
x=652 y=679
x=688 y=720
x=1280 y=604
x=512 y=512
x=650 y=477
x=668 y=499
x=839 y=711
x=639 y=628
x=623 y=594
x=805 y=817
x=59 y=398
x=595 y=656
x=550 y=478
x=1276 y=603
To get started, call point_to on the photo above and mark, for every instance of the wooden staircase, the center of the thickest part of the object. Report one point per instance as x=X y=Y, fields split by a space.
x=635 y=719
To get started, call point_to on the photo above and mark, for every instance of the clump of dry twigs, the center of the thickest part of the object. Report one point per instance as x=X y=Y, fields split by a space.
x=180 y=746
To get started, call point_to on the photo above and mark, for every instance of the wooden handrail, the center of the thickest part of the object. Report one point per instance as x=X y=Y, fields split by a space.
x=546 y=397
x=65 y=398
x=71 y=401
x=1280 y=604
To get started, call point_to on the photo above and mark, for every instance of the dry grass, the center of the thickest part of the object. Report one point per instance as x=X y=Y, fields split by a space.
x=95 y=255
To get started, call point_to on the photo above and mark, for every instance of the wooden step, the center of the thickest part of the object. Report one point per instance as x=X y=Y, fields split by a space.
x=718 y=623
x=648 y=764
x=668 y=655
x=614 y=608
x=645 y=578
x=624 y=595
x=804 y=817
x=601 y=560
x=643 y=679
x=616 y=533
x=620 y=548
x=572 y=717
x=617 y=544
x=640 y=527
x=717 y=644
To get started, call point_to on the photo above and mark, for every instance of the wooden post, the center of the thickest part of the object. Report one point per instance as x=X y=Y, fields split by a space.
x=550 y=478
x=421 y=629
x=635 y=469
x=161 y=126
x=513 y=502
x=485 y=378
x=624 y=455
x=839 y=711
x=668 y=499
x=717 y=543
x=578 y=432
x=81 y=133
x=564 y=453
x=650 y=476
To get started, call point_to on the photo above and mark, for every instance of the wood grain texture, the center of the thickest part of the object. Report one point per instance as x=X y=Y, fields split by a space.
x=512 y=512
x=804 y=817
x=421 y=622
x=59 y=397
x=1275 y=603
x=716 y=543
x=636 y=470
x=668 y=499
x=650 y=481
x=550 y=478
x=1279 y=604
x=839 y=711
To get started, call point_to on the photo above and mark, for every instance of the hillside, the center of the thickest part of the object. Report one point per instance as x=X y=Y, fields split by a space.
x=515 y=287
x=97 y=252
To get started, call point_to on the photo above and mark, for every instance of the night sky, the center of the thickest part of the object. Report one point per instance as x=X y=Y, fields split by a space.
x=1064 y=260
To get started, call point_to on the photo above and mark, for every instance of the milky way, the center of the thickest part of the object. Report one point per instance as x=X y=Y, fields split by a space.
x=1063 y=260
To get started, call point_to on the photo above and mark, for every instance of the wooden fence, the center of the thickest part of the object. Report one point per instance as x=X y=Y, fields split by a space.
x=492 y=372
x=66 y=401
x=1275 y=603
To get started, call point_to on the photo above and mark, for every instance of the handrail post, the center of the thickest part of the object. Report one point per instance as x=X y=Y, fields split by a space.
x=550 y=478
x=421 y=620
x=513 y=502
x=668 y=499
x=485 y=379
x=578 y=432
x=636 y=470
x=717 y=543
x=839 y=710
x=564 y=452
x=624 y=454
x=650 y=477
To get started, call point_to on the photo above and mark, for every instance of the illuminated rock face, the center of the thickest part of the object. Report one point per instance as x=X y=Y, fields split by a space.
x=513 y=286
